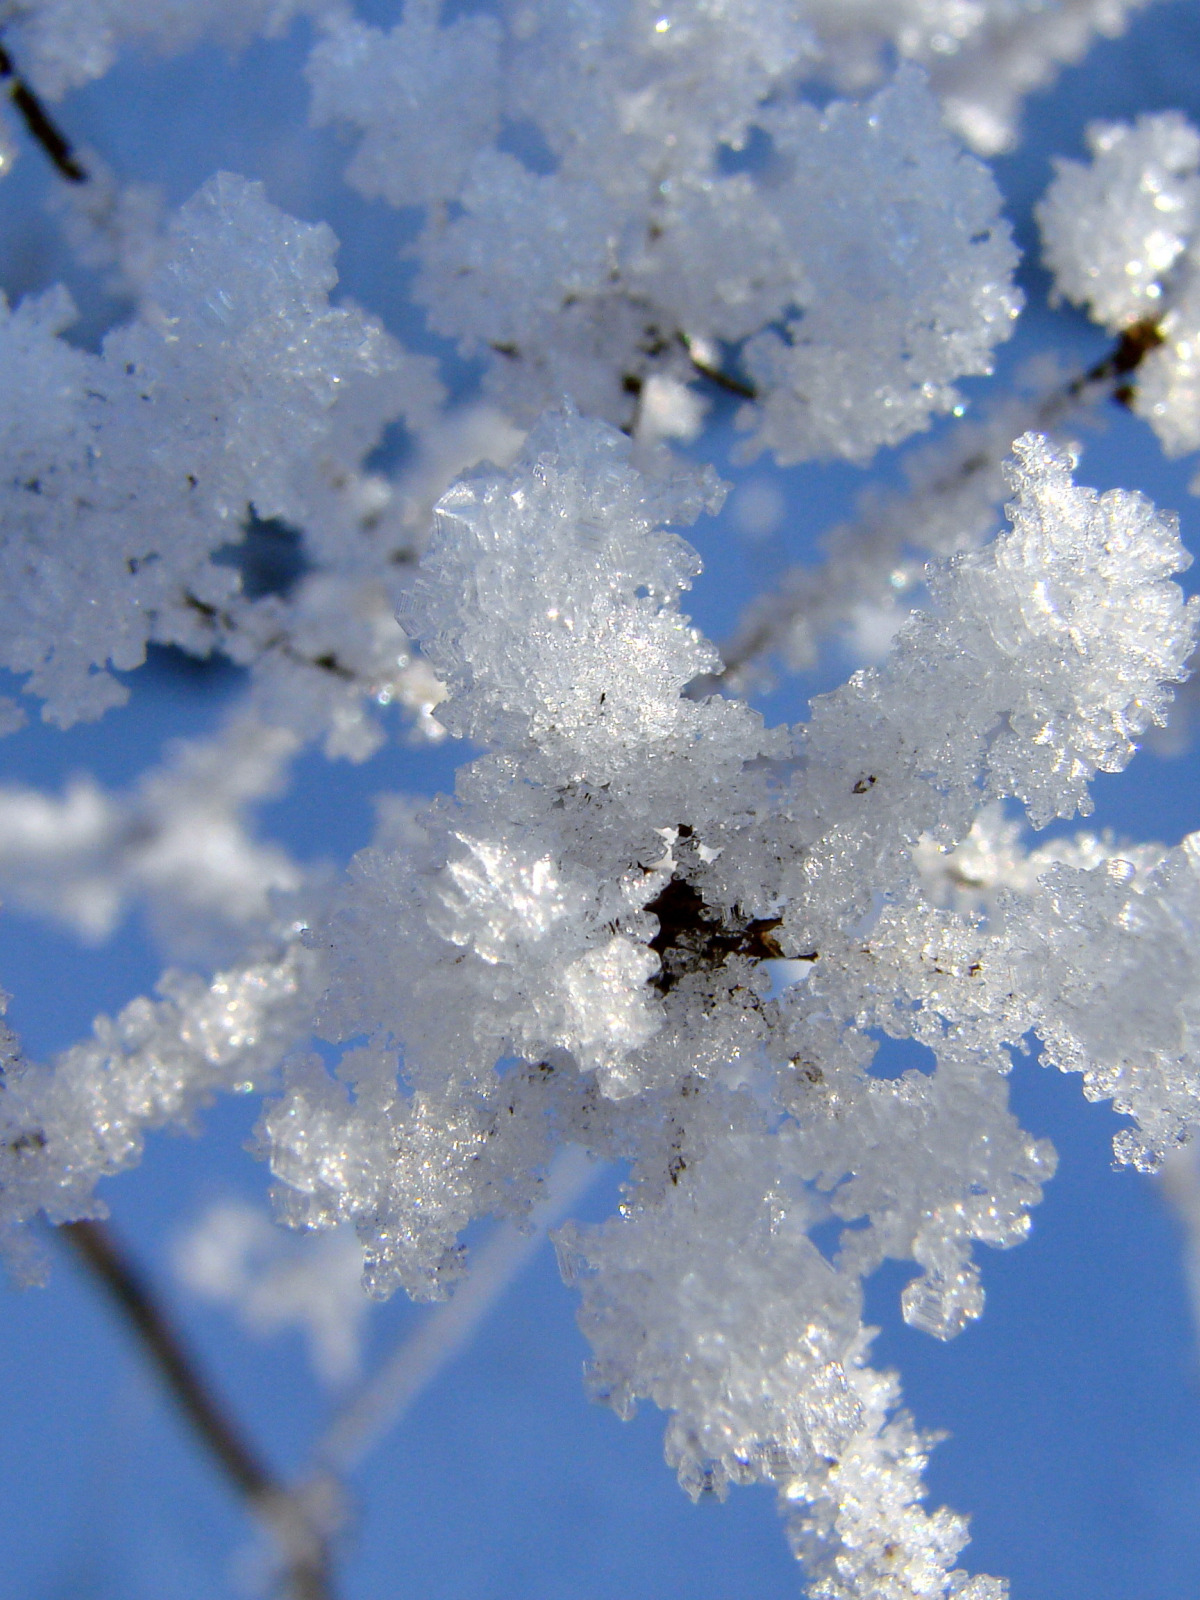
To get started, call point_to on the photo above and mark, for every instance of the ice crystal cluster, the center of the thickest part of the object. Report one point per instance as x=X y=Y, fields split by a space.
x=643 y=232
x=595 y=913
x=645 y=924
x=1121 y=237
x=125 y=471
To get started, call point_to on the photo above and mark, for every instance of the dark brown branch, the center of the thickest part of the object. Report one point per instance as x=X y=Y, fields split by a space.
x=715 y=375
x=95 y=1245
x=725 y=380
x=304 y=1549
x=1132 y=347
x=42 y=127
x=695 y=937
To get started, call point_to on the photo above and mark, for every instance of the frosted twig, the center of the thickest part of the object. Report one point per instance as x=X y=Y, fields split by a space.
x=155 y=1063
x=387 y=1397
x=947 y=506
x=303 y=1546
x=179 y=841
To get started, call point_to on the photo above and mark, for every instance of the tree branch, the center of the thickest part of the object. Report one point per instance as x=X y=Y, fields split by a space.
x=303 y=1546
x=42 y=127
x=716 y=375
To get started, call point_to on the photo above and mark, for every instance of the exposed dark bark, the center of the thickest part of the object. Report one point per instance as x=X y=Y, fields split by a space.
x=41 y=125
x=303 y=1546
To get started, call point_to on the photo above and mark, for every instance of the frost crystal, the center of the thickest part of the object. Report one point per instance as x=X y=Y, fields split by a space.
x=591 y=234
x=1121 y=236
x=646 y=928
x=983 y=56
x=907 y=292
x=123 y=472
x=234 y=1256
x=70 y=42
x=576 y=948
x=418 y=88
x=1112 y=230
x=85 y=1116
x=1168 y=390
x=178 y=842
x=583 y=281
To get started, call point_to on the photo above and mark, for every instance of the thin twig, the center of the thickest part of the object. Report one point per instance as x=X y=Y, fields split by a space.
x=304 y=1548
x=1109 y=378
x=727 y=381
x=41 y=125
x=391 y=1392
x=1133 y=345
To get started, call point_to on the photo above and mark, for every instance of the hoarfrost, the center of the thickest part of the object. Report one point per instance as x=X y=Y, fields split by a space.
x=1121 y=236
x=595 y=280
x=71 y=42
x=84 y=1116
x=645 y=925
x=418 y=89
x=983 y=56
x=178 y=843
x=234 y=1256
x=125 y=471
x=1112 y=230
x=574 y=949
x=909 y=291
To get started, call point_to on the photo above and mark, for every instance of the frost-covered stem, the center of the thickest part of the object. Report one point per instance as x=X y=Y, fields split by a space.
x=42 y=127
x=303 y=1547
x=390 y=1394
x=829 y=589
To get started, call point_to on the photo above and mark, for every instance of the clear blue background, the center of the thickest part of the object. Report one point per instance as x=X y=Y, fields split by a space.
x=1073 y=1408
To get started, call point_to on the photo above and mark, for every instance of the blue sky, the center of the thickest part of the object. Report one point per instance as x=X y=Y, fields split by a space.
x=1073 y=1408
